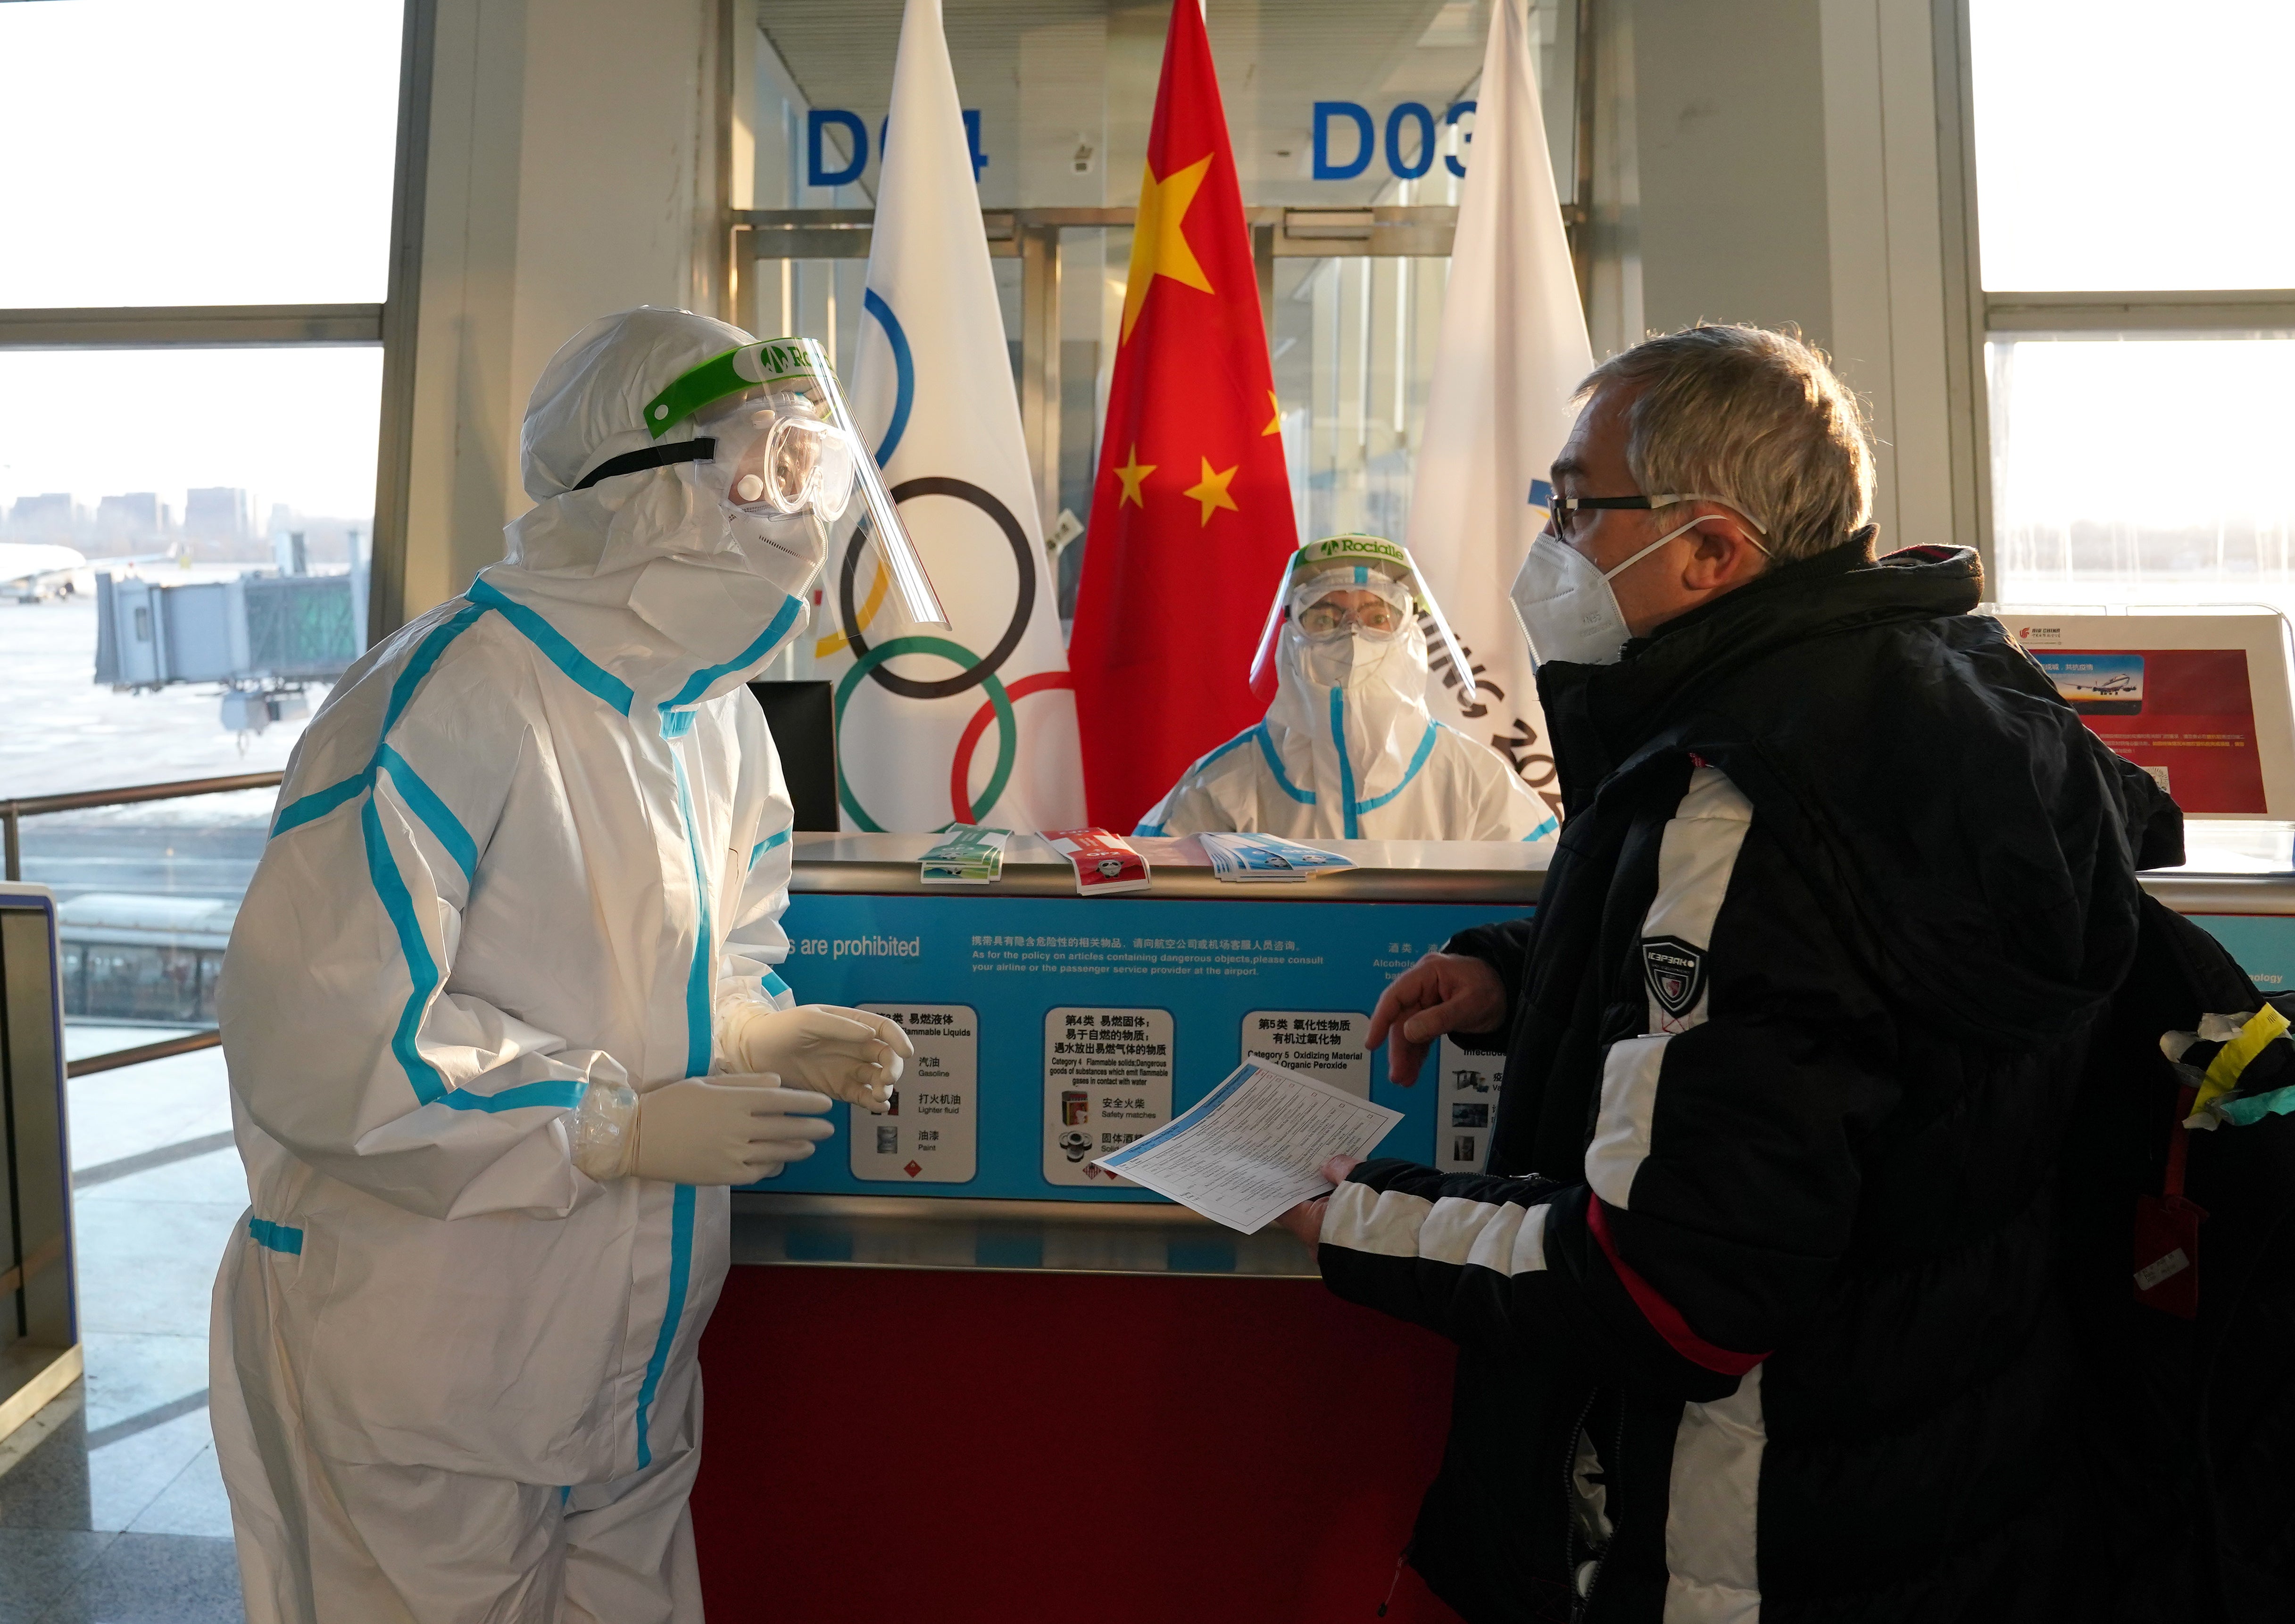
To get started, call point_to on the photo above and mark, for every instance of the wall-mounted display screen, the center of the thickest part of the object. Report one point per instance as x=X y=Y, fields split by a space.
x=2198 y=701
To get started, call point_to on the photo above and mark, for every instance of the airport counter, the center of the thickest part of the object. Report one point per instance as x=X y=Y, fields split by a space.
x=959 y=1373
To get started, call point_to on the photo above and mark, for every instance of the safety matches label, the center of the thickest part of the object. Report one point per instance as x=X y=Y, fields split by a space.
x=1108 y=1079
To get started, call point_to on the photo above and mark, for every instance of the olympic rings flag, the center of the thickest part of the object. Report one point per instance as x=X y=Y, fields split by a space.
x=975 y=724
x=1513 y=348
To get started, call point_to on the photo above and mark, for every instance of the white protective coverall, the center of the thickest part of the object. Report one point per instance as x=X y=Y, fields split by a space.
x=454 y=1378
x=1348 y=751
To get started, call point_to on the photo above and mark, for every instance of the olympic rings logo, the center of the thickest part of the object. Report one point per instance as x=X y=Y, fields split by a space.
x=973 y=669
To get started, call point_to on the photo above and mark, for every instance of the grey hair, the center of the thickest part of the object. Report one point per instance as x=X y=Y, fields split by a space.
x=1756 y=417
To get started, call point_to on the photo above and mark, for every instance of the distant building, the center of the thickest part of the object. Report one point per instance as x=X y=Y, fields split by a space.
x=218 y=513
x=139 y=515
x=47 y=517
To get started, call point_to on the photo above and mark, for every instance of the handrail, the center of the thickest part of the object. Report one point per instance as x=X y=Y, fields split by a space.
x=166 y=1048
x=81 y=800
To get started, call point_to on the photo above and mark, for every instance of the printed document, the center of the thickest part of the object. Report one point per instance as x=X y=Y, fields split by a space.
x=1254 y=1145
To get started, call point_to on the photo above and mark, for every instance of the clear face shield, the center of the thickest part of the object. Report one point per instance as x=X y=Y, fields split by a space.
x=1353 y=586
x=782 y=444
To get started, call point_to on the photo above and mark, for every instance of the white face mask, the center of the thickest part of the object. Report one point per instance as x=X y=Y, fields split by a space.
x=1345 y=662
x=1564 y=603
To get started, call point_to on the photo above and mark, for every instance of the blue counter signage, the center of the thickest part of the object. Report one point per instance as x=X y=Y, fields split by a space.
x=1050 y=1031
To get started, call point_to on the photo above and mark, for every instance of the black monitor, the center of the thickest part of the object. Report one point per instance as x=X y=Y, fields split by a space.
x=803 y=717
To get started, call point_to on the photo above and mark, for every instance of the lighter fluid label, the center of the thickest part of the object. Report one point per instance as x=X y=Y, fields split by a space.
x=932 y=1133
x=1108 y=1079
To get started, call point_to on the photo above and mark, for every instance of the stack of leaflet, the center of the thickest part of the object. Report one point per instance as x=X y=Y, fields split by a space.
x=969 y=856
x=1246 y=859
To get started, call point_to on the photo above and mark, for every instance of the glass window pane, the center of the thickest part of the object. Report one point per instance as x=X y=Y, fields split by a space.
x=211 y=501
x=2133 y=146
x=1061 y=97
x=2143 y=473
x=231 y=153
x=166 y=470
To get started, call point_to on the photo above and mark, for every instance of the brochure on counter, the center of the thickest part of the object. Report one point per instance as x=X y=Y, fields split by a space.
x=967 y=856
x=1257 y=859
x=1254 y=1146
x=1104 y=863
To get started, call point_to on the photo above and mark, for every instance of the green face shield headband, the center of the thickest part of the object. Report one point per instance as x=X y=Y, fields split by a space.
x=1371 y=557
x=799 y=366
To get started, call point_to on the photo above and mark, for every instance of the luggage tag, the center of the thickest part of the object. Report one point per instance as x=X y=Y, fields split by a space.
x=2168 y=1231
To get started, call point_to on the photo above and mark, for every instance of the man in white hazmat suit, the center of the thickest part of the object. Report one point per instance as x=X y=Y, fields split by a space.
x=503 y=1025
x=1347 y=750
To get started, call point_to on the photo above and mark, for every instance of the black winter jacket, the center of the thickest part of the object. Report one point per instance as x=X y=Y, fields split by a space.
x=1755 y=1308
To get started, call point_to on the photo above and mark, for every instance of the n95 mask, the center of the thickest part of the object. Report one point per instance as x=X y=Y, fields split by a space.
x=1350 y=660
x=1564 y=603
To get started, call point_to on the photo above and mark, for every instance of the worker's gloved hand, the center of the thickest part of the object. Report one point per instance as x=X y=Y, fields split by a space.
x=729 y=1130
x=845 y=1054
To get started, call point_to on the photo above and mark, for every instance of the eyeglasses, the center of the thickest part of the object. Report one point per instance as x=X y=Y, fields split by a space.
x=1378 y=618
x=1562 y=511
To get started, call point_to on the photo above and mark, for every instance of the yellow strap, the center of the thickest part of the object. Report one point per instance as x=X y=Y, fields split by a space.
x=2223 y=1072
x=834 y=643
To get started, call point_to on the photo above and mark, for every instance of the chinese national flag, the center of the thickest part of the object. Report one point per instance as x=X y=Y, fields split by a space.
x=1192 y=522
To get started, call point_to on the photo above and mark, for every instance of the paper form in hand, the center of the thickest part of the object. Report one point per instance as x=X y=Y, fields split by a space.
x=1254 y=1147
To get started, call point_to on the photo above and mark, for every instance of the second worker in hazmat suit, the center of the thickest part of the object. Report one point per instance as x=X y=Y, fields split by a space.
x=503 y=1022
x=1348 y=750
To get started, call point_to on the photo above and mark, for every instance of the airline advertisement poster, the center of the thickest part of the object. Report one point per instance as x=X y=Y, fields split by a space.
x=2198 y=701
x=1052 y=1030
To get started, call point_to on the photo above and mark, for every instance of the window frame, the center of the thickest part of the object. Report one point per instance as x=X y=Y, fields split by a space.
x=389 y=324
x=1979 y=316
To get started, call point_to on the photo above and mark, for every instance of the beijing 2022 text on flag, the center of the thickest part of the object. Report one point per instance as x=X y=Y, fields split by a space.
x=1191 y=521
x=975 y=724
x=1498 y=409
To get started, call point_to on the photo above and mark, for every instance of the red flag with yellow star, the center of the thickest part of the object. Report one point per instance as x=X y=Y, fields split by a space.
x=1192 y=522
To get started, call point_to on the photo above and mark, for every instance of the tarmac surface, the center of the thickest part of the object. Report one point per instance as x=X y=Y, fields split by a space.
x=64 y=733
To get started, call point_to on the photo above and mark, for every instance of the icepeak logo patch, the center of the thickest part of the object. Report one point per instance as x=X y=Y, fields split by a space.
x=1675 y=970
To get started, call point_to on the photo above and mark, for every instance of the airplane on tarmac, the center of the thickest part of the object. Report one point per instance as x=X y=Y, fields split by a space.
x=34 y=570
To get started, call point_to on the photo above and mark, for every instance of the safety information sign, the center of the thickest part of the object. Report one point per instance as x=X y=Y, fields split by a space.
x=1324 y=1044
x=932 y=1133
x=1108 y=1079
x=1197 y=975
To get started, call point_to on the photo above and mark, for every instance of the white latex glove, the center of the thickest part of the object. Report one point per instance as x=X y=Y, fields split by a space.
x=730 y=1129
x=845 y=1054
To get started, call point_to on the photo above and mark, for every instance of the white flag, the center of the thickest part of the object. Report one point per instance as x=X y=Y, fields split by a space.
x=1513 y=348
x=976 y=723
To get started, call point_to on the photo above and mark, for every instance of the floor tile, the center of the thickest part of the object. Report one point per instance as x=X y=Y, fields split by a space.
x=149 y=1265
x=218 y=1177
x=126 y=1477
x=156 y=1578
x=195 y=1503
x=39 y=1564
x=142 y=1107
x=66 y=1406
x=131 y=1374
x=49 y=1489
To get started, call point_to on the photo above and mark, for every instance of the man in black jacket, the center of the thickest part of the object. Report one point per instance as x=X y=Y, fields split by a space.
x=1754 y=1305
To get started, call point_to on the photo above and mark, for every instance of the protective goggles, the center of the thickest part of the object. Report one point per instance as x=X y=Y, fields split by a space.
x=773 y=456
x=1359 y=564
x=1324 y=609
x=788 y=446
